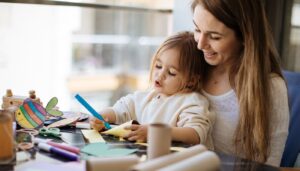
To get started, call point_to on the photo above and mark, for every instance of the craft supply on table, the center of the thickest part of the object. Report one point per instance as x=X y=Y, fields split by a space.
x=25 y=138
x=111 y=164
x=92 y=136
x=30 y=114
x=70 y=114
x=105 y=150
x=33 y=115
x=159 y=140
x=92 y=110
x=205 y=161
x=7 y=153
x=166 y=160
x=63 y=146
x=120 y=131
x=63 y=153
x=48 y=132
x=64 y=122
x=10 y=100
x=82 y=125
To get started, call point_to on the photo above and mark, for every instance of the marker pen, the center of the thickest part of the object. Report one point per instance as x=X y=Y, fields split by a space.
x=92 y=110
x=58 y=151
x=58 y=145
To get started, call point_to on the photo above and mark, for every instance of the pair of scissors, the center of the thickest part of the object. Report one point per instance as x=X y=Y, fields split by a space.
x=46 y=132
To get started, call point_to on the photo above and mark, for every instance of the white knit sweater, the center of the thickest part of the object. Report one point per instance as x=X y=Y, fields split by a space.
x=226 y=108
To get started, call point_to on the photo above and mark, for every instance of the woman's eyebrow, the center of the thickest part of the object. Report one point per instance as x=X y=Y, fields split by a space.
x=209 y=32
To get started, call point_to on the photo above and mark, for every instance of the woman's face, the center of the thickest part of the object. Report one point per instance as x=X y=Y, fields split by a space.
x=218 y=42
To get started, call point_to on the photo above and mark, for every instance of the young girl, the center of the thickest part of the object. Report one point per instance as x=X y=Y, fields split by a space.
x=173 y=98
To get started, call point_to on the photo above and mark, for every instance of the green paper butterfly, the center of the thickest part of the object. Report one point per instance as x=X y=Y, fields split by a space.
x=50 y=108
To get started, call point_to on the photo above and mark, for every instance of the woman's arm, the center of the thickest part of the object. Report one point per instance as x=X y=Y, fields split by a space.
x=279 y=120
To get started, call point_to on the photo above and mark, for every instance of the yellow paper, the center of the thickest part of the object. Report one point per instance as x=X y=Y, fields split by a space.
x=120 y=130
x=92 y=136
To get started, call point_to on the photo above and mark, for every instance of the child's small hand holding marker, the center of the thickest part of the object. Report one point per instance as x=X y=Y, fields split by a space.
x=92 y=111
x=97 y=124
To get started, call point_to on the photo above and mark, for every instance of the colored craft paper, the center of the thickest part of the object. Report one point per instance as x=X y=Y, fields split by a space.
x=120 y=130
x=33 y=115
x=63 y=122
x=30 y=114
x=92 y=136
x=50 y=108
x=104 y=150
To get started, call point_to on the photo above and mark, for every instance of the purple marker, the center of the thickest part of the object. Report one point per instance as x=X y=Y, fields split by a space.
x=58 y=151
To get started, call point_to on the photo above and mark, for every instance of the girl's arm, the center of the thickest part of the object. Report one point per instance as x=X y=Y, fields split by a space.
x=185 y=134
x=108 y=114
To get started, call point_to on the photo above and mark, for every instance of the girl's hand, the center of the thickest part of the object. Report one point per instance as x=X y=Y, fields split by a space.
x=138 y=133
x=96 y=124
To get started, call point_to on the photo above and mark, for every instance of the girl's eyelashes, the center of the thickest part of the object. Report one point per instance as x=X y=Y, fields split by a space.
x=172 y=74
x=158 y=66
x=197 y=30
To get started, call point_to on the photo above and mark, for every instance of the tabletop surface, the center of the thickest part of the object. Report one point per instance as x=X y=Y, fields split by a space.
x=228 y=162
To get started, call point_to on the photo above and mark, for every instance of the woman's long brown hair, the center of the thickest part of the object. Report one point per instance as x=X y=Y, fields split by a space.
x=250 y=75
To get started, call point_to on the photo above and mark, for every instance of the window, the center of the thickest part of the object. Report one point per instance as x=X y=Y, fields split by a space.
x=76 y=47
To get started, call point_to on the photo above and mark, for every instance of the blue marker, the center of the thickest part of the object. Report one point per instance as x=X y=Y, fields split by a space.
x=92 y=110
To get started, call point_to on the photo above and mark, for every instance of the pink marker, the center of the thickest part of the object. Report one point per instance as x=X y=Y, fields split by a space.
x=58 y=151
x=72 y=149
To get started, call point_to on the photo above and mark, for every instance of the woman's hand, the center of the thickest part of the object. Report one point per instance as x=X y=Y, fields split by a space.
x=138 y=133
x=96 y=124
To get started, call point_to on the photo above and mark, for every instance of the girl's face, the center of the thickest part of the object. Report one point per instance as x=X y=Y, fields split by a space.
x=166 y=77
x=218 y=42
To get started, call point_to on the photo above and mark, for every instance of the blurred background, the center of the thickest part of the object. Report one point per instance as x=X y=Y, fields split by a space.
x=102 y=49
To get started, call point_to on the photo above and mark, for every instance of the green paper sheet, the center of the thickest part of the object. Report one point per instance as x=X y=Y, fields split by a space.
x=104 y=150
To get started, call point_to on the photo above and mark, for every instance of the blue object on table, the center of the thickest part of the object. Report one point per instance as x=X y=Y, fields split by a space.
x=92 y=110
x=292 y=146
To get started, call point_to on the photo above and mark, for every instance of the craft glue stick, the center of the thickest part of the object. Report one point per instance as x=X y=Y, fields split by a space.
x=58 y=151
x=67 y=147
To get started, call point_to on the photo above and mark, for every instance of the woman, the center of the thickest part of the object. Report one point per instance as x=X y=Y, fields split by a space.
x=243 y=83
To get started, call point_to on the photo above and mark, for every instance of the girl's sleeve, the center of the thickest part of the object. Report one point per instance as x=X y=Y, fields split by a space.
x=124 y=109
x=198 y=117
x=279 y=120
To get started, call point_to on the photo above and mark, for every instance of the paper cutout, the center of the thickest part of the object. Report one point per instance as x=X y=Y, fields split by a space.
x=50 y=108
x=63 y=122
x=92 y=136
x=30 y=114
x=120 y=131
x=33 y=115
x=104 y=150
